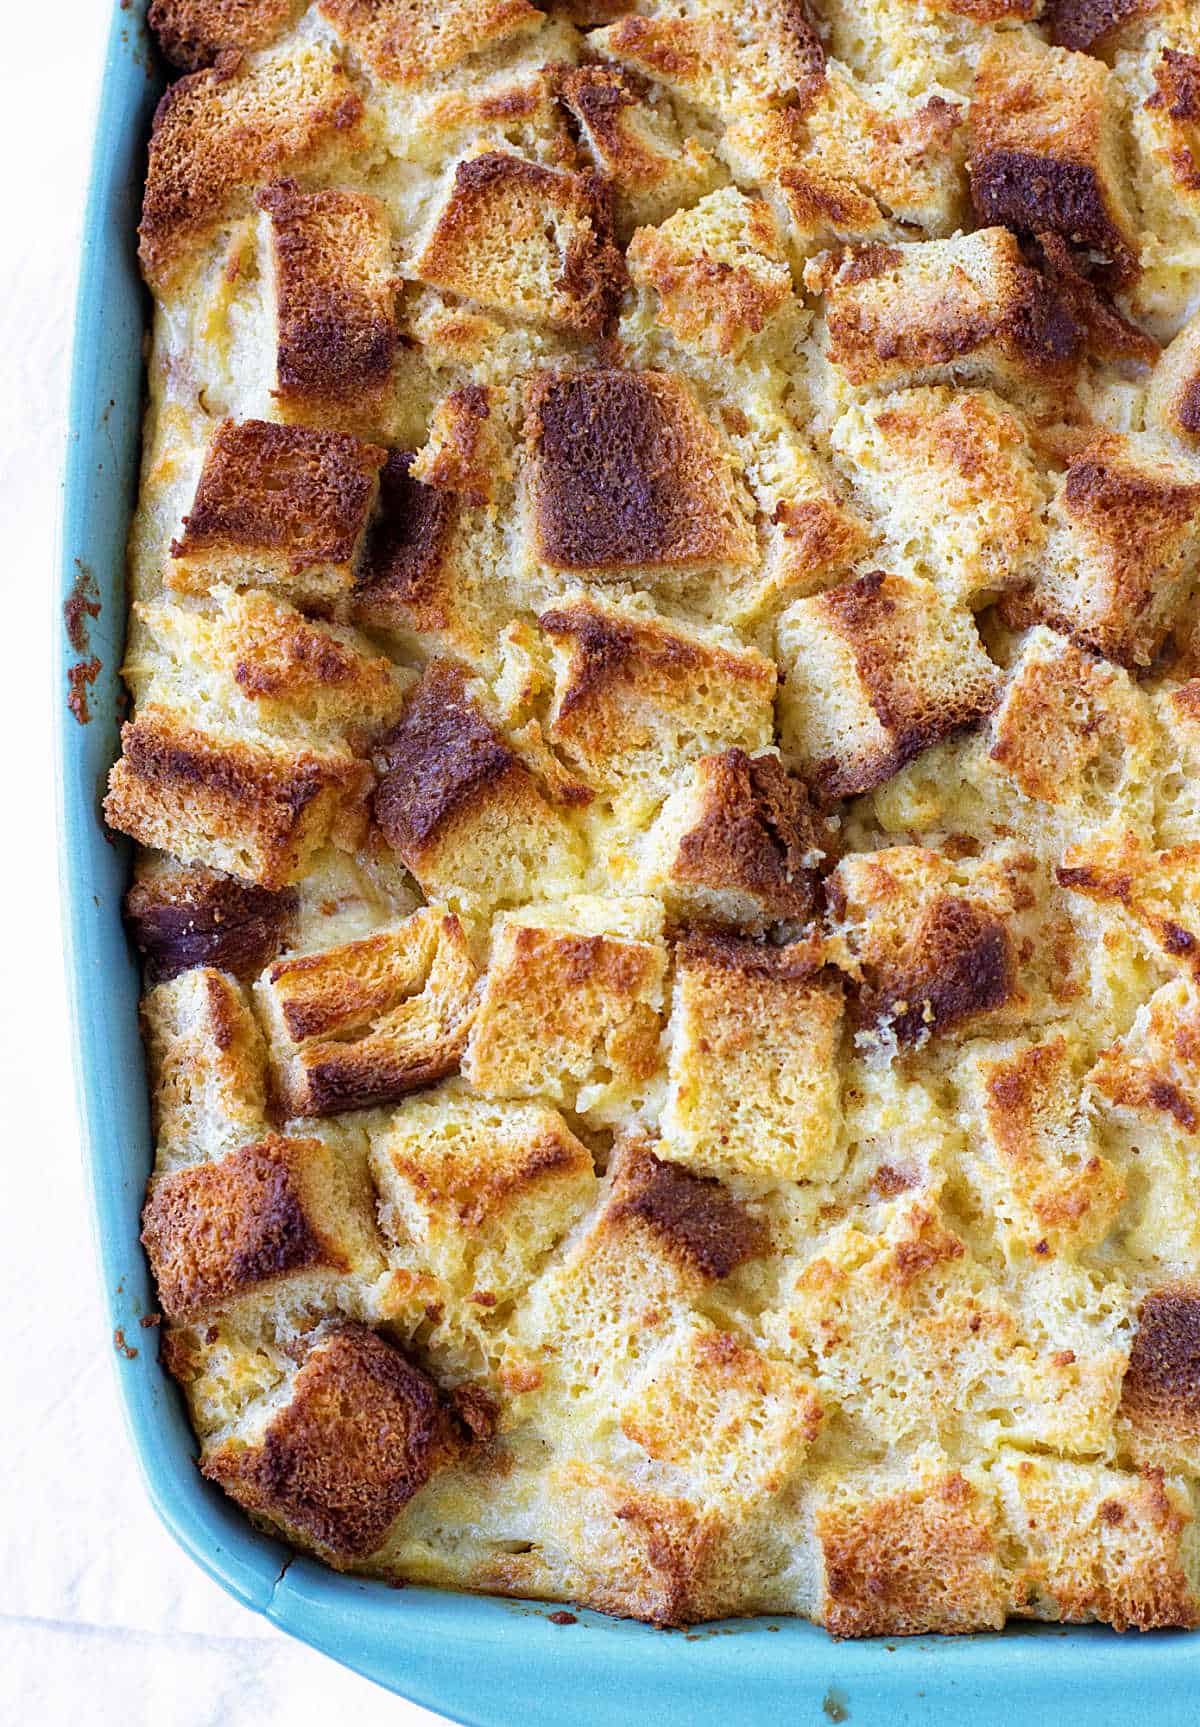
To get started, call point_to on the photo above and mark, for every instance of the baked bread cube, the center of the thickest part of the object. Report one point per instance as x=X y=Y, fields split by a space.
x=367 y=1022
x=1123 y=550
x=718 y=271
x=1047 y=131
x=738 y=843
x=1159 y=1417
x=404 y=42
x=1098 y=1543
x=570 y=1006
x=814 y=207
x=1162 y=77
x=426 y=579
x=1173 y=394
x=334 y=1462
x=460 y=807
x=1157 y=892
x=661 y=1237
x=1034 y=1157
x=477 y=1193
x=754 y=1042
x=908 y=161
x=332 y=283
x=930 y=938
x=1152 y=1074
x=625 y=473
x=1074 y=732
x=951 y=477
x=876 y=671
x=191 y=33
x=532 y=241
x=912 y=1556
x=265 y=669
x=281 y=507
x=183 y=915
x=635 y=696
x=256 y=810
x=219 y=133
x=965 y=310
x=467 y=451
x=207 y=1064
x=728 y=58
x=636 y=144
x=270 y=1222
x=735 y=1423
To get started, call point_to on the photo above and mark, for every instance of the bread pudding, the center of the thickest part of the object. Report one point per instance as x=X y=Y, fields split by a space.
x=663 y=751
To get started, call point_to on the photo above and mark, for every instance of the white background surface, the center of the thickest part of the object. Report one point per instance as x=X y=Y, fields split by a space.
x=102 y=1620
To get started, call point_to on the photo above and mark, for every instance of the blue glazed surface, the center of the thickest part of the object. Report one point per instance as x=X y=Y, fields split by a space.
x=485 y=1662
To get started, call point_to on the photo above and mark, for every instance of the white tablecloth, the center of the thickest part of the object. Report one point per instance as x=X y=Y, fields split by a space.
x=102 y=1620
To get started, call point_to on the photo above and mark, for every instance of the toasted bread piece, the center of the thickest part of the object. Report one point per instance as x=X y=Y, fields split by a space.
x=219 y=132
x=1156 y=891
x=478 y=1192
x=1074 y=732
x=406 y=41
x=967 y=310
x=722 y=56
x=271 y=1215
x=951 y=475
x=753 y=1060
x=183 y=915
x=634 y=696
x=460 y=806
x=532 y=241
x=718 y=270
x=1096 y=1543
x=278 y=506
x=738 y=843
x=570 y=1006
x=909 y=1557
x=1046 y=149
x=467 y=451
x=207 y=1066
x=191 y=33
x=1153 y=1073
x=367 y=1022
x=255 y=810
x=652 y=165
x=1159 y=1418
x=877 y=670
x=1123 y=552
x=1035 y=1157
x=334 y=284
x=735 y=1423
x=625 y=473
x=334 y=1463
x=932 y=939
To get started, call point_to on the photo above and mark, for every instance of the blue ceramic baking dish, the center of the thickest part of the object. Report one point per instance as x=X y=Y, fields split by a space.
x=482 y=1661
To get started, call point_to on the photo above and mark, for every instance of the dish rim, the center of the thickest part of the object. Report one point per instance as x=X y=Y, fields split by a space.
x=481 y=1660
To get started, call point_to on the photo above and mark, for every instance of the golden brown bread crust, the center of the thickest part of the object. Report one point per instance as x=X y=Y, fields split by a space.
x=216 y=1232
x=242 y=807
x=508 y=220
x=627 y=474
x=335 y=298
x=182 y=917
x=1160 y=1394
x=191 y=33
x=403 y=42
x=692 y=1218
x=404 y=575
x=361 y=1433
x=913 y=1562
x=218 y=132
x=757 y=834
x=294 y=498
